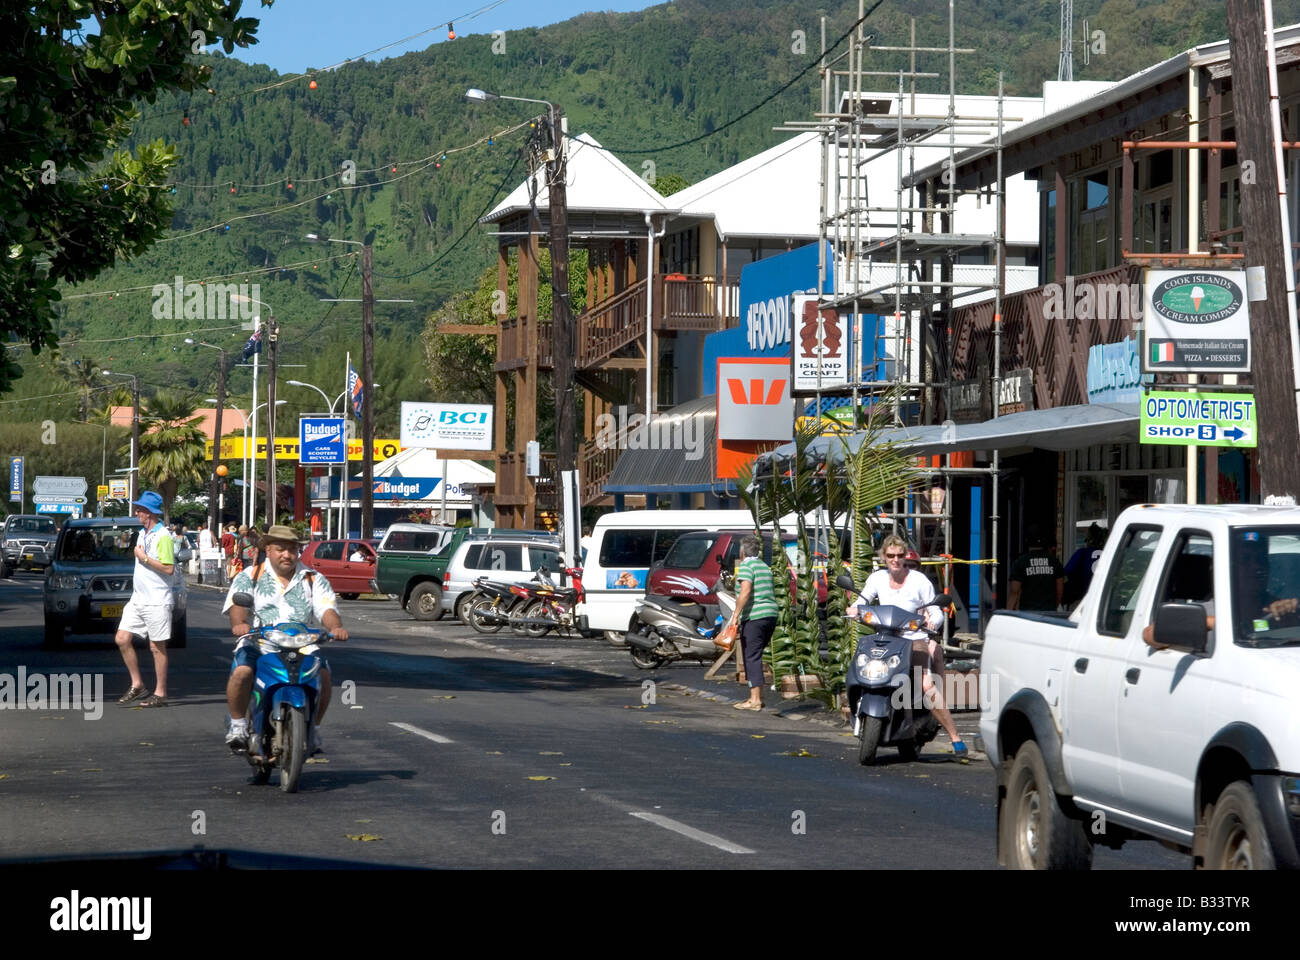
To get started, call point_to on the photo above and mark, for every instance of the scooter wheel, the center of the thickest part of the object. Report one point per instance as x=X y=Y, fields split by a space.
x=645 y=659
x=869 y=739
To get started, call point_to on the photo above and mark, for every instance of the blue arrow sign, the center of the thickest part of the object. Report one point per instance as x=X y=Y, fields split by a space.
x=1234 y=434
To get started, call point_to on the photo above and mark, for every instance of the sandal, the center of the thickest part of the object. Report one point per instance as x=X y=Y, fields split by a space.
x=135 y=693
x=747 y=705
x=960 y=752
x=153 y=700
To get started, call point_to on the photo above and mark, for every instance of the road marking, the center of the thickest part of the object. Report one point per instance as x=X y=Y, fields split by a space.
x=435 y=737
x=677 y=827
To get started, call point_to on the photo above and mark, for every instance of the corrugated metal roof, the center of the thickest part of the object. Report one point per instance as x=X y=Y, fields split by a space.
x=671 y=465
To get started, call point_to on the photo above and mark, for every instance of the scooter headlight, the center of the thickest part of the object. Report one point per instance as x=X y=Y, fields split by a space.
x=874 y=669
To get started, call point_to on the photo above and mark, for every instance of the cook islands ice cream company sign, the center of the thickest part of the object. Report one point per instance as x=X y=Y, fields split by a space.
x=1196 y=322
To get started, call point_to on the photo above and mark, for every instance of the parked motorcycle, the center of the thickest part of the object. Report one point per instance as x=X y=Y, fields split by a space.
x=665 y=630
x=493 y=604
x=551 y=607
x=286 y=686
x=883 y=683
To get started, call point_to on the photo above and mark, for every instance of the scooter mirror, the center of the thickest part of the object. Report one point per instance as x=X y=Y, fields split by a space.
x=845 y=581
x=243 y=600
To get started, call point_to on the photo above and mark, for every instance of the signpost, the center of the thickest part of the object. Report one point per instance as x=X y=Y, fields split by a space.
x=1198 y=419
x=453 y=426
x=1196 y=322
x=320 y=441
x=60 y=487
x=117 y=488
x=16 y=481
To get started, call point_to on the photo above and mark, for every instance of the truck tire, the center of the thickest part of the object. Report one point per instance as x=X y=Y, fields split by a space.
x=1037 y=833
x=1236 y=838
x=425 y=601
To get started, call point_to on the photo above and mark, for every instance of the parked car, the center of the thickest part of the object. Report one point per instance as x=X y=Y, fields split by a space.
x=1164 y=707
x=28 y=542
x=501 y=557
x=89 y=580
x=690 y=571
x=333 y=560
x=413 y=557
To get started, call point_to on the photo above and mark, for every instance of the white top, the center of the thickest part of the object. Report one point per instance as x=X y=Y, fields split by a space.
x=205 y=540
x=916 y=592
x=149 y=587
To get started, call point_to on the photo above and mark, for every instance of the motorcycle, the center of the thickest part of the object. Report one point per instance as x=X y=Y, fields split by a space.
x=286 y=685
x=493 y=605
x=665 y=630
x=545 y=606
x=883 y=683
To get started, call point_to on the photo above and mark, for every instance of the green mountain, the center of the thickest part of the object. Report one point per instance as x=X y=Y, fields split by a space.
x=263 y=153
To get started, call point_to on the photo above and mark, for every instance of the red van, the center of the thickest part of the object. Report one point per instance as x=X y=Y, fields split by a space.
x=690 y=570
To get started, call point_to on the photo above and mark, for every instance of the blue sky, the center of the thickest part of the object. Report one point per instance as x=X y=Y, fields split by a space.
x=296 y=34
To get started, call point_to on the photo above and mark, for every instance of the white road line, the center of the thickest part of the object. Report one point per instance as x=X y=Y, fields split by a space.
x=435 y=737
x=669 y=824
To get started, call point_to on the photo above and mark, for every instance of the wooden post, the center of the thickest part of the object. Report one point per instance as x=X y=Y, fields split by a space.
x=367 y=395
x=1261 y=217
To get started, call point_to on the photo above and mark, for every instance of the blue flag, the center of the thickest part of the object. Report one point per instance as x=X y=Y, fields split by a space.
x=356 y=391
x=253 y=344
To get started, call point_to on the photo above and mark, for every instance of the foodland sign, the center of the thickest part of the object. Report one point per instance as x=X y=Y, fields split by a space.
x=1196 y=322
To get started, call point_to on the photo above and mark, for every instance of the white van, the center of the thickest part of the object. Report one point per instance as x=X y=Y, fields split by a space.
x=624 y=546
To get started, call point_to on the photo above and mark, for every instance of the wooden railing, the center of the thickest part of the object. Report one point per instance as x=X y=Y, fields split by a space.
x=695 y=303
x=611 y=325
x=595 y=464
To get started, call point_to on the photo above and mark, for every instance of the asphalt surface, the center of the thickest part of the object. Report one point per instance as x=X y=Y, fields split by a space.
x=445 y=748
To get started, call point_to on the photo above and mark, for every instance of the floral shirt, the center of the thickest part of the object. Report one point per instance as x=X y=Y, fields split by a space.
x=275 y=603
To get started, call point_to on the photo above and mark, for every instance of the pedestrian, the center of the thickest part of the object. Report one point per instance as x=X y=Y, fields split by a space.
x=1079 y=568
x=149 y=611
x=282 y=589
x=1037 y=580
x=249 y=543
x=314 y=523
x=229 y=553
x=756 y=615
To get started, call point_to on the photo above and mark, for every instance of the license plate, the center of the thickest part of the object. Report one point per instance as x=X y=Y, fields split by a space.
x=29 y=556
x=111 y=610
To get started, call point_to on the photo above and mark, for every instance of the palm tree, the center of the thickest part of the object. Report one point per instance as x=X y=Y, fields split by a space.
x=103 y=416
x=83 y=374
x=172 y=446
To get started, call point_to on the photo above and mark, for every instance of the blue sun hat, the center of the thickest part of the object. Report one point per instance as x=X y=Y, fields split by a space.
x=150 y=501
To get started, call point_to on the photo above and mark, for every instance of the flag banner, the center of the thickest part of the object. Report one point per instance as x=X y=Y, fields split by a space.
x=355 y=391
x=253 y=344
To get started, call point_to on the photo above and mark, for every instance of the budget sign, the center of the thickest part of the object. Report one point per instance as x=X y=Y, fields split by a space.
x=320 y=440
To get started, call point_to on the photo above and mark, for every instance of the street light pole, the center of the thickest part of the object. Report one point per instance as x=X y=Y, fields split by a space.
x=274 y=334
x=214 y=515
x=367 y=395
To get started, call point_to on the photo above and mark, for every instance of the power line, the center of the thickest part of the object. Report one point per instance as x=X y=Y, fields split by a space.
x=758 y=106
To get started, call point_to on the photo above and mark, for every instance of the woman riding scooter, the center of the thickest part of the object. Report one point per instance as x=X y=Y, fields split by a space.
x=912 y=590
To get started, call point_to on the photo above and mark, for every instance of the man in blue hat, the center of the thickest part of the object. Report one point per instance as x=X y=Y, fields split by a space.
x=149 y=611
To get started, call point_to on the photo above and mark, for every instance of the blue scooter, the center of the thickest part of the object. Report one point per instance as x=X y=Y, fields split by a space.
x=286 y=686
x=885 y=693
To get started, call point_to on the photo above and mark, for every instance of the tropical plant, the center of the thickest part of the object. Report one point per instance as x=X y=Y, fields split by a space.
x=83 y=375
x=172 y=446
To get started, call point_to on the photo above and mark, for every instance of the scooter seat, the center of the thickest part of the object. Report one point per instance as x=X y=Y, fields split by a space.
x=692 y=611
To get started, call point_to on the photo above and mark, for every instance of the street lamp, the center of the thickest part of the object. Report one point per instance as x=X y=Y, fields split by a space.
x=561 y=309
x=272 y=336
x=251 y=482
x=135 y=429
x=214 y=517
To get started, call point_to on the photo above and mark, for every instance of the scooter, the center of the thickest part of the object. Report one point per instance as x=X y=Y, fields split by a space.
x=286 y=687
x=665 y=630
x=492 y=605
x=883 y=683
x=544 y=606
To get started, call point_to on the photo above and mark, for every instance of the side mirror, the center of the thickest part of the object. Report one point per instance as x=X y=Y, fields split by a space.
x=845 y=581
x=243 y=600
x=1182 y=625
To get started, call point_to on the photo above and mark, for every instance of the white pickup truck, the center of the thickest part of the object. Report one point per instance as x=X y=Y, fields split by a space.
x=1189 y=735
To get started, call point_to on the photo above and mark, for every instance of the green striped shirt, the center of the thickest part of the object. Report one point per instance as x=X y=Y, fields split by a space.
x=762 y=599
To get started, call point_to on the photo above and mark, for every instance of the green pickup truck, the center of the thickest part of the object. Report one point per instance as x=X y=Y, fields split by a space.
x=413 y=558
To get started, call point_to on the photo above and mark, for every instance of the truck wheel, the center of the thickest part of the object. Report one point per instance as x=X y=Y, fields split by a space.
x=1038 y=834
x=54 y=633
x=425 y=601
x=1236 y=837
x=5 y=570
x=869 y=739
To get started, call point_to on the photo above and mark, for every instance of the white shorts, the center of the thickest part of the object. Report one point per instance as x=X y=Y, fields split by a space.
x=152 y=621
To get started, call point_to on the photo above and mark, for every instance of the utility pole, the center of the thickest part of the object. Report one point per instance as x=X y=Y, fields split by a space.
x=1267 y=246
x=135 y=439
x=561 y=309
x=367 y=394
x=273 y=333
x=214 y=516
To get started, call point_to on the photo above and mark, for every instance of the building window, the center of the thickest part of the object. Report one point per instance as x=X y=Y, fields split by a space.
x=1090 y=223
x=1048 y=233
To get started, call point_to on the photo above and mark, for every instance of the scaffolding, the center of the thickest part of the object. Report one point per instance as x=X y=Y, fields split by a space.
x=895 y=256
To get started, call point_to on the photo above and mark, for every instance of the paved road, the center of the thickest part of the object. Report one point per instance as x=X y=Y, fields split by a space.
x=453 y=752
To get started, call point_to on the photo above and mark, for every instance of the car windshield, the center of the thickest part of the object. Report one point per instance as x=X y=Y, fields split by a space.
x=689 y=553
x=1266 y=585
x=26 y=525
x=97 y=545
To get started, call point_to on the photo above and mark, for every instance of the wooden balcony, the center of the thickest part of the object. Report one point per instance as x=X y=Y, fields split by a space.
x=695 y=303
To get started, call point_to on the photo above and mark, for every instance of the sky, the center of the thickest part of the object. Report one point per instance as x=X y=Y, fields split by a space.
x=297 y=34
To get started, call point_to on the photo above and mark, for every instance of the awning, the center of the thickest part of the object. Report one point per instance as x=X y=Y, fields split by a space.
x=678 y=455
x=1057 y=428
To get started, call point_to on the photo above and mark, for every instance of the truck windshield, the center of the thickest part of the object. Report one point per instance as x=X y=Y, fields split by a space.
x=1266 y=585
